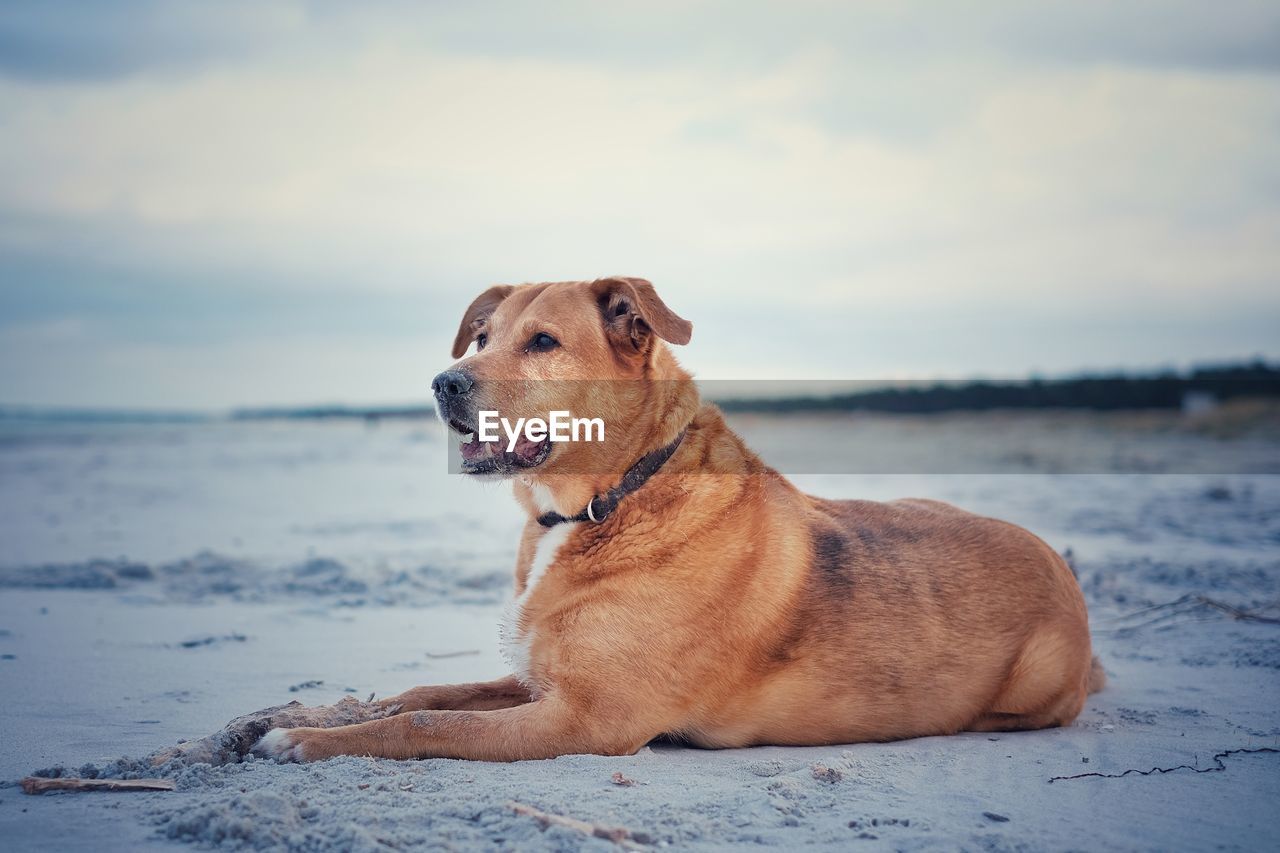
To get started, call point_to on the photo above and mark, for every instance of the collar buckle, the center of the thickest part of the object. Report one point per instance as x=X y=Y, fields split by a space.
x=634 y=478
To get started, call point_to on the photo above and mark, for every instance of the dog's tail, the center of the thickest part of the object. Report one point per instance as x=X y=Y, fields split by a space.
x=1097 y=675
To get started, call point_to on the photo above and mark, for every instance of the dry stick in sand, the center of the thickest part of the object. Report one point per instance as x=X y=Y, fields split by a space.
x=227 y=746
x=1185 y=606
x=1236 y=612
x=618 y=835
x=37 y=785
x=1217 y=767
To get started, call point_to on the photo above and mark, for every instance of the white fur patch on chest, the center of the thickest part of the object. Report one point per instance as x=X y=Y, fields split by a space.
x=541 y=497
x=515 y=642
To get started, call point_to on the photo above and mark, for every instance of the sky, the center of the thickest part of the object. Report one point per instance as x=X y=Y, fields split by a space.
x=273 y=203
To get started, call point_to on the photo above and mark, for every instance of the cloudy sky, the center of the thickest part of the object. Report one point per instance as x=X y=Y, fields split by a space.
x=207 y=205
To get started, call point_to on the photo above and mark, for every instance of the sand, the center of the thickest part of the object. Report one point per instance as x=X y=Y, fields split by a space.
x=157 y=581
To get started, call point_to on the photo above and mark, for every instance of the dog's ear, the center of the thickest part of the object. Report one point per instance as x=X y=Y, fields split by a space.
x=477 y=315
x=632 y=310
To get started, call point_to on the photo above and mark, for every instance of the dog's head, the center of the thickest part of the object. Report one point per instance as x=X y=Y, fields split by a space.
x=592 y=349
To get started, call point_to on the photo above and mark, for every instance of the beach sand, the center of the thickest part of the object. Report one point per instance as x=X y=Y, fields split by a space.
x=158 y=580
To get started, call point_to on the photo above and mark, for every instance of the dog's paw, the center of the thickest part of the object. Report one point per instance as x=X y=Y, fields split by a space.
x=282 y=745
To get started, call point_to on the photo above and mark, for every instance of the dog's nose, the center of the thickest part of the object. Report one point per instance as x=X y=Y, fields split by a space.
x=452 y=383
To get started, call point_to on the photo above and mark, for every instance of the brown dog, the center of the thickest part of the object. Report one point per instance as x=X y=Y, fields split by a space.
x=701 y=595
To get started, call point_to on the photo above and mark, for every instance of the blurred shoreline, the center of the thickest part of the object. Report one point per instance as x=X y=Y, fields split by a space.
x=1197 y=391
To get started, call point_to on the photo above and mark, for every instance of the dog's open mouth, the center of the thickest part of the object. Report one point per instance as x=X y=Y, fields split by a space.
x=493 y=457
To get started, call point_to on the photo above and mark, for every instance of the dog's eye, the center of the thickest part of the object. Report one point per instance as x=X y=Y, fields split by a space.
x=542 y=342
x=481 y=340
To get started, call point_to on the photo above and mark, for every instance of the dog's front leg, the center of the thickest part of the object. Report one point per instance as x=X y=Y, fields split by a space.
x=541 y=729
x=478 y=696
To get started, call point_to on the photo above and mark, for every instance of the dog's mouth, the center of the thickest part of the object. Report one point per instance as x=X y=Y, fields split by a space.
x=494 y=457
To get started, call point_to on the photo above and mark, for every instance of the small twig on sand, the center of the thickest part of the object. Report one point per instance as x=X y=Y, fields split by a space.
x=441 y=655
x=622 y=837
x=1217 y=767
x=823 y=773
x=38 y=785
x=232 y=743
x=1185 y=606
x=1236 y=612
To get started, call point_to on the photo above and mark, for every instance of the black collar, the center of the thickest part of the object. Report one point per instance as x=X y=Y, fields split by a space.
x=601 y=507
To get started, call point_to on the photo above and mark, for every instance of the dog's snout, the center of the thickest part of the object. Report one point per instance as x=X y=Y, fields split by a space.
x=452 y=383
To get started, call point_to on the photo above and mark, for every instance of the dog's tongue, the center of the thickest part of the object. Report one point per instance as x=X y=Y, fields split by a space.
x=478 y=449
x=527 y=449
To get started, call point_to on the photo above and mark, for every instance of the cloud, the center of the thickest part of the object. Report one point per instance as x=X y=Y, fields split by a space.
x=316 y=175
x=1184 y=34
x=86 y=40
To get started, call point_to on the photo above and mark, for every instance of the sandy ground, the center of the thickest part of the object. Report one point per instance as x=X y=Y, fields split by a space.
x=156 y=581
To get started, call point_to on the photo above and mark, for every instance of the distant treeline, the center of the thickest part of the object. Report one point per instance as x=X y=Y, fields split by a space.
x=311 y=413
x=1164 y=390
x=1167 y=390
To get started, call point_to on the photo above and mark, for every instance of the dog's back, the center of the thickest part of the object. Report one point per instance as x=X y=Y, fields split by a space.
x=919 y=618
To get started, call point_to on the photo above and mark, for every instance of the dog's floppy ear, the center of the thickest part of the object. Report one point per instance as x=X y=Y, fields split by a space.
x=477 y=315
x=631 y=309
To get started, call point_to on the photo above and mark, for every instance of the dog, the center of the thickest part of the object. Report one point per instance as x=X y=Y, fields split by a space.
x=669 y=583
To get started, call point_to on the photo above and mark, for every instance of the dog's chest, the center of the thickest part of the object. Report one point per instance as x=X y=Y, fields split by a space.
x=515 y=640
